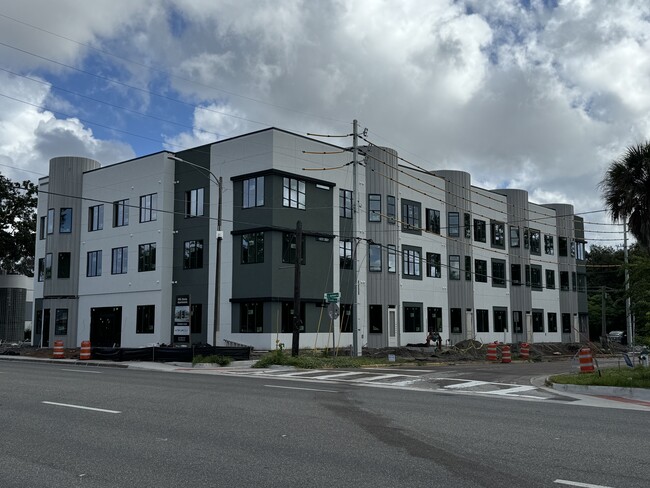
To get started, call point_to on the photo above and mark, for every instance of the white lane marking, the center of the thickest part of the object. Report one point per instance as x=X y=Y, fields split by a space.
x=369 y=370
x=296 y=388
x=82 y=407
x=509 y=391
x=81 y=371
x=380 y=377
x=337 y=375
x=298 y=373
x=466 y=384
x=577 y=483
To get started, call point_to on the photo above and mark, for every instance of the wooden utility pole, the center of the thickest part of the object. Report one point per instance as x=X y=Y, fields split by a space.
x=297 y=322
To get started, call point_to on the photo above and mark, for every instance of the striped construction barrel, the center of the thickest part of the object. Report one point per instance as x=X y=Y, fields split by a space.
x=84 y=353
x=58 y=352
x=524 y=351
x=505 y=354
x=492 y=351
x=586 y=360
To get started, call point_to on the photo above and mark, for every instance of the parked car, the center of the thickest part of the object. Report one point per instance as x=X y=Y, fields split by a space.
x=616 y=336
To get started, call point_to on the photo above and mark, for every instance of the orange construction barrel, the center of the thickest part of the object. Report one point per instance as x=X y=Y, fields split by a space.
x=58 y=352
x=505 y=354
x=492 y=351
x=84 y=353
x=586 y=360
x=524 y=351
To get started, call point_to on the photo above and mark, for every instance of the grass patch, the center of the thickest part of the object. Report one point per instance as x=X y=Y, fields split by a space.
x=214 y=359
x=311 y=361
x=638 y=377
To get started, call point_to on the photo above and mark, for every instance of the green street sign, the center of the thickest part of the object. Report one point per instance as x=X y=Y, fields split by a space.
x=332 y=297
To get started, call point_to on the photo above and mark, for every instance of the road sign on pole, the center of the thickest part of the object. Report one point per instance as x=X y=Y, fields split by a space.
x=333 y=311
x=332 y=297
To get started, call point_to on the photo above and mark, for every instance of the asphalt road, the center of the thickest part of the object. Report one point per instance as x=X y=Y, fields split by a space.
x=152 y=429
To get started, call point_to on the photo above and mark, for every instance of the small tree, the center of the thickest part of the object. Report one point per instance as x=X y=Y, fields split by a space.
x=17 y=226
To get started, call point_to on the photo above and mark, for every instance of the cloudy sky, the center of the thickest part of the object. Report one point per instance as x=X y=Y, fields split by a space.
x=532 y=94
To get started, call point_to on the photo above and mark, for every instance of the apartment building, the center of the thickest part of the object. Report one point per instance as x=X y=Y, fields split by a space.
x=200 y=246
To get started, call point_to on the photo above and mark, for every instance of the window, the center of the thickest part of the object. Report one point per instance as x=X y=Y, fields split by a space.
x=433 y=221
x=413 y=318
x=392 y=258
x=288 y=317
x=145 y=319
x=515 y=274
x=517 y=325
x=374 y=257
x=453 y=223
x=293 y=193
x=433 y=265
x=580 y=250
x=572 y=247
x=391 y=210
x=50 y=221
x=411 y=217
x=514 y=236
x=456 y=320
x=147 y=257
x=410 y=262
x=61 y=322
x=582 y=282
x=563 y=246
x=482 y=321
x=65 y=221
x=41 y=269
x=538 y=321
x=499 y=273
x=194 y=202
x=454 y=267
x=468 y=226
x=121 y=213
x=526 y=238
x=552 y=322
x=345 y=323
x=498 y=233
x=289 y=248
x=42 y=228
x=193 y=254
x=374 y=208
x=48 y=266
x=566 y=323
x=345 y=254
x=564 y=280
x=94 y=263
x=536 y=277
x=148 y=204
x=375 y=319
x=500 y=319
x=480 y=269
x=479 y=230
x=95 y=218
x=253 y=192
x=548 y=245
x=196 y=318
x=468 y=268
x=252 y=248
x=63 y=268
x=251 y=317
x=119 y=260
x=345 y=204
x=550 y=279
x=527 y=272
x=535 y=244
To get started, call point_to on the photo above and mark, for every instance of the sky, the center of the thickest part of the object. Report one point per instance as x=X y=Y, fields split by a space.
x=529 y=94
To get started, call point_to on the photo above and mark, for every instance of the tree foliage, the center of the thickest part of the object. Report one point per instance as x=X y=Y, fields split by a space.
x=17 y=226
x=626 y=191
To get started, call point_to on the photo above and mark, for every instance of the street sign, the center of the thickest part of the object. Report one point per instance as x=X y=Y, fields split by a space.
x=332 y=297
x=333 y=311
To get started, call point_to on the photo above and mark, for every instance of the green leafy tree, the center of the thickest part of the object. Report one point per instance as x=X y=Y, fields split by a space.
x=17 y=226
x=626 y=191
x=605 y=276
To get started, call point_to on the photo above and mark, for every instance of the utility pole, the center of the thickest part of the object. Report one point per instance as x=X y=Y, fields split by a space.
x=295 y=343
x=603 y=332
x=628 y=315
x=217 y=282
x=356 y=350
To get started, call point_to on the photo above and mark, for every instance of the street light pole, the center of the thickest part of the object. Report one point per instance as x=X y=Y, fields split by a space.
x=217 y=285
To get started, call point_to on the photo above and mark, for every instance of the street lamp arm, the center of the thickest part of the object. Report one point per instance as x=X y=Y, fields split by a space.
x=180 y=160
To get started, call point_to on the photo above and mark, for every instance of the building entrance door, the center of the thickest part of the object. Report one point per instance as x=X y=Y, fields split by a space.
x=392 y=327
x=106 y=326
x=45 y=342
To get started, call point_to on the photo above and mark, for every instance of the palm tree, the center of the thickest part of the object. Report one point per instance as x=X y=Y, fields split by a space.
x=626 y=191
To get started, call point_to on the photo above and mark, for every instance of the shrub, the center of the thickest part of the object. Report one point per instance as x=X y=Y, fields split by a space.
x=214 y=359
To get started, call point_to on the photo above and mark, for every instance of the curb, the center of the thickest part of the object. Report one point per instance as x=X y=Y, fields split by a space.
x=633 y=393
x=77 y=362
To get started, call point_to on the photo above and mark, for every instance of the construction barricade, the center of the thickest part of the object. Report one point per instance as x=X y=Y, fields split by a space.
x=84 y=353
x=58 y=352
x=506 y=357
x=492 y=351
x=586 y=360
x=524 y=351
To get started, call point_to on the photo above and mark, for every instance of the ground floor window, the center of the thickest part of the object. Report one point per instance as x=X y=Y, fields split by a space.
x=500 y=319
x=145 y=320
x=287 y=317
x=375 y=319
x=538 y=321
x=196 y=318
x=413 y=318
x=251 y=317
x=566 y=323
x=456 y=320
x=61 y=322
x=482 y=321
x=434 y=319
x=346 y=318
x=516 y=322
x=552 y=322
